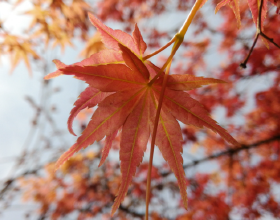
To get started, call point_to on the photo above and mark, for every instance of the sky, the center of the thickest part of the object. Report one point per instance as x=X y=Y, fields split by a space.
x=16 y=113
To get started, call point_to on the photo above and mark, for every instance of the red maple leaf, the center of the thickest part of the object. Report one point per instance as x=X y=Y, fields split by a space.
x=122 y=85
x=234 y=4
x=254 y=6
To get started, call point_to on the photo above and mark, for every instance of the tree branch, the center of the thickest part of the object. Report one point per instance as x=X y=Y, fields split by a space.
x=8 y=183
x=135 y=214
x=243 y=64
x=231 y=151
x=269 y=39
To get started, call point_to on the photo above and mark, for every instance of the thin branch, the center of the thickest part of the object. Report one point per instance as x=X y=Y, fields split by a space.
x=8 y=183
x=243 y=64
x=233 y=151
x=259 y=22
x=227 y=152
x=259 y=32
x=159 y=50
x=135 y=214
x=230 y=177
x=269 y=39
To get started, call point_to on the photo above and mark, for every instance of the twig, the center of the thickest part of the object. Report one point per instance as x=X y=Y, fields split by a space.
x=233 y=151
x=227 y=152
x=10 y=181
x=230 y=177
x=259 y=22
x=243 y=64
x=159 y=50
x=135 y=214
x=259 y=32
x=269 y=39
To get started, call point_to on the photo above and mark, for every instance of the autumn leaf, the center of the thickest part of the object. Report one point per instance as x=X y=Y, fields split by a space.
x=88 y=99
x=102 y=58
x=129 y=100
x=94 y=45
x=234 y=5
x=112 y=38
x=108 y=144
x=18 y=49
x=254 y=6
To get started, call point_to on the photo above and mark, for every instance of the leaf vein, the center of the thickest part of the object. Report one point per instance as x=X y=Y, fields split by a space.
x=106 y=119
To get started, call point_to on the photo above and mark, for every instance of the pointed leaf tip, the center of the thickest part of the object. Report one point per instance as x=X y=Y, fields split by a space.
x=89 y=98
x=234 y=5
x=190 y=111
x=66 y=156
x=111 y=38
x=169 y=141
x=134 y=139
x=137 y=37
x=187 y=82
x=134 y=63
x=59 y=65
x=114 y=209
x=108 y=145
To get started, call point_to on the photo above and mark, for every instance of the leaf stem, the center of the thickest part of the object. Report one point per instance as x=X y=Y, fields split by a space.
x=169 y=59
x=259 y=32
x=179 y=37
x=159 y=50
x=259 y=21
x=269 y=39
x=189 y=19
x=243 y=64
x=148 y=188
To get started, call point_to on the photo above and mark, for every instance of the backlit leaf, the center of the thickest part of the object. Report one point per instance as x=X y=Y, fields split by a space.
x=132 y=106
x=234 y=5
x=89 y=98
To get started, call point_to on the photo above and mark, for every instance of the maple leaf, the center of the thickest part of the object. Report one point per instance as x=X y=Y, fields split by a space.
x=19 y=49
x=94 y=45
x=88 y=99
x=127 y=98
x=254 y=6
x=234 y=5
